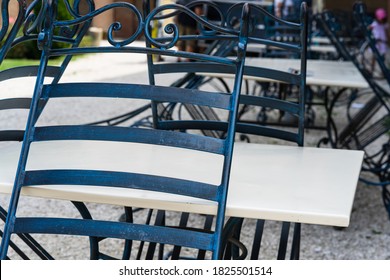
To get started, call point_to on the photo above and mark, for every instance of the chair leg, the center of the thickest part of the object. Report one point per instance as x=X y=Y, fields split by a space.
x=142 y=243
x=8 y=226
x=257 y=239
x=233 y=248
x=283 y=241
x=296 y=243
x=93 y=241
x=128 y=243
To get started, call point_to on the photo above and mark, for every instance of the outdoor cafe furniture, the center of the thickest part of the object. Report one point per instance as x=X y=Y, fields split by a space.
x=65 y=162
x=204 y=119
x=369 y=125
x=325 y=75
x=121 y=178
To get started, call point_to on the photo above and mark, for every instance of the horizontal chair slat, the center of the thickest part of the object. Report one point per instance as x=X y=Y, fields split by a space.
x=241 y=127
x=199 y=67
x=122 y=180
x=130 y=134
x=193 y=124
x=11 y=135
x=257 y=71
x=143 y=50
x=27 y=71
x=109 y=229
x=15 y=103
x=192 y=67
x=137 y=91
x=256 y=129
x=267 y=102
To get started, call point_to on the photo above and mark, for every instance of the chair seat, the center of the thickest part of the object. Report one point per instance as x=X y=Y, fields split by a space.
x=287 y=183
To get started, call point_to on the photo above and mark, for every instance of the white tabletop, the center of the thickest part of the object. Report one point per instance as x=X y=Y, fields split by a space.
x=288 y=183
x=322 y=48
x=319 y=72
x=260 y=48
x=320 y=40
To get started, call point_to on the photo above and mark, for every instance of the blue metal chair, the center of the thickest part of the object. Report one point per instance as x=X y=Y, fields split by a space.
x=9 y=103
x=297 y=80
x=209 y=241
x=207 y=121
x=201 y=116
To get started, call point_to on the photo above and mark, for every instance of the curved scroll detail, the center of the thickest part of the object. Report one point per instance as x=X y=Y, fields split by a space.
x=75 y=10
x=113 y=27
x=172 y=28
x=231 y=19
x=210 y=7
x=34 y=22
x=69 y=32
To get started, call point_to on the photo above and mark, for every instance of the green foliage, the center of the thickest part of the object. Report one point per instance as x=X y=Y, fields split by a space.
x=29 y=49
x=12 y=63
x=62 y=12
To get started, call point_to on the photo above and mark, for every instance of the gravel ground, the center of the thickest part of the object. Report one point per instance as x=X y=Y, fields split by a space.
x=367 y=236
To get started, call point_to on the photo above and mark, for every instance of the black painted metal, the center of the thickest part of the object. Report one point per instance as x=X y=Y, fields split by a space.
x=204 y=118
x=257 y=239
x=224 y=44
x=46 y=23
x=359 y=133
x=28 y=240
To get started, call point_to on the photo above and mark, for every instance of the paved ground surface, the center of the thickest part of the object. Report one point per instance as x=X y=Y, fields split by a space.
x=367 y=237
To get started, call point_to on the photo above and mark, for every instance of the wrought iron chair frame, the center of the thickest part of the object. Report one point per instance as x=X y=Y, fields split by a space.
x=98 y=229
x=209 y=123
x=356 y=135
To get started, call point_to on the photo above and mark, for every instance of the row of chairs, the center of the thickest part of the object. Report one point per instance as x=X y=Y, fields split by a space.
x=219 y=238
x=369 y=125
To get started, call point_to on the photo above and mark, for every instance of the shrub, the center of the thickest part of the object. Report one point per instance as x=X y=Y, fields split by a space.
x=29 y=49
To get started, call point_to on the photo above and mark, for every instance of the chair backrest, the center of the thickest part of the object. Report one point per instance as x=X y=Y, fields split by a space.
x=200 y=75
x=283 y=90
x=268 y=86
x=221 y=149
